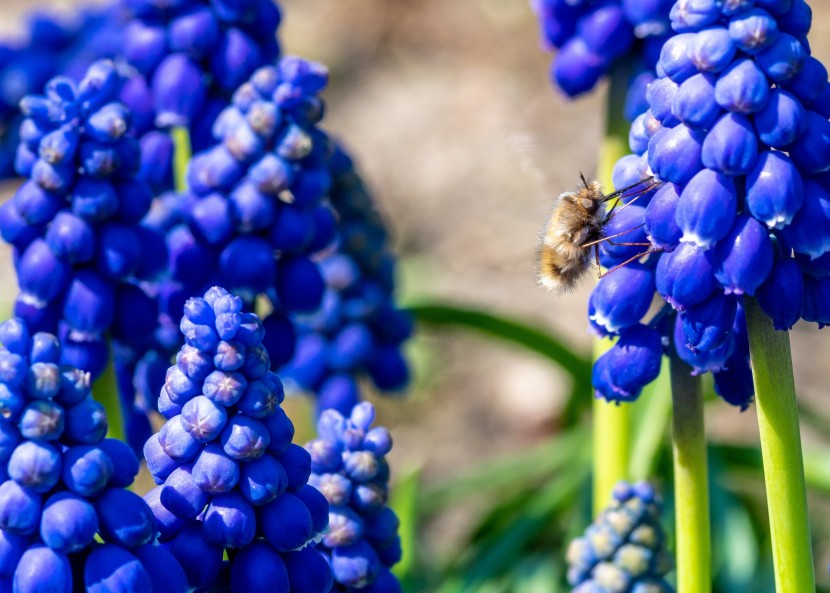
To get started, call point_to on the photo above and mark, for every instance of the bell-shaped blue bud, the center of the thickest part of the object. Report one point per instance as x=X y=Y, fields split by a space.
x=675 y=57
x=774 y=190
x=709 y=324
x=783 y=59
x=712 y=49
x=743 y=259
x=576 y=69
x=816 y=300
x=234 y=59
x=40 y=274
x=112 y=568
x=693 y=16
x=731 y=146
x=781 y=120
x=734 y=383
x=42 y=569
x=215 y=169
x=811 y=150
x=685 y=276
x=753 y=30
x=631 y=364
x=809 y=231
x=781 y=295
x=707 y=208
x=300 y=285
x=90 y=303
x=145 y=45
x=808 y=84
x=258 y=568
x=661 y=95
x=195 y=32
x=742 y=88
x=675 y=153
x=694 y=103
x=621 y=299
x=701 y=361
x=178 y=91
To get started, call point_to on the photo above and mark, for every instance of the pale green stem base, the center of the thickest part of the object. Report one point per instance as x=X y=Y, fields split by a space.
x=611 y=425
x=181 y=156
x=691 y=482
x=781 y=449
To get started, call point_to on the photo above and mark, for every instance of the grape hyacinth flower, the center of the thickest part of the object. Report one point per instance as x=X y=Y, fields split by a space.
x=624 y=549
x=74 y=223
x=228 y=475
x=737 y=130
x=190 y=57
x=254 y=215
x=592 y=36
x=67 y=521
x=349 y=467
x=359 y=328
x=51 y=46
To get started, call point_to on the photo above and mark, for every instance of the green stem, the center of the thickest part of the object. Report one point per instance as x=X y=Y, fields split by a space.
x=775 y=401
x=611 y=421
x=105 y=391
x=691 y=483
x=181 y=156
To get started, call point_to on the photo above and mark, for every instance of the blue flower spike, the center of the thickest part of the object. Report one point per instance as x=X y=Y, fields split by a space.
x=624 y=549
x=228 y=475
x=64 y=496
x=736 y=131
x=349 y=467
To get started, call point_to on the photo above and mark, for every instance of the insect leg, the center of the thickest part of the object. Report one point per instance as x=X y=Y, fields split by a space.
x=652 y=183
x=629 y=260
x=634 y=197
x=621 y=233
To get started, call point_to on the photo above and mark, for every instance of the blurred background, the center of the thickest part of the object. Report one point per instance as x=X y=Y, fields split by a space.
x=448 y=110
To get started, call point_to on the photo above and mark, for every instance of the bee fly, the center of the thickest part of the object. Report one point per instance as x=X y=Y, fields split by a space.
x=576 y=224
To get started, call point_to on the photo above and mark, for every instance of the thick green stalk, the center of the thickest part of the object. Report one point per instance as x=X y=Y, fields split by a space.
x=611 y=422
x=181 y=156
x=772 y=370
x=691 y=482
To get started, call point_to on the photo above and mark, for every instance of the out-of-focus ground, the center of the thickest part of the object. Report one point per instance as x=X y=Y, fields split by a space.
x=448 y=110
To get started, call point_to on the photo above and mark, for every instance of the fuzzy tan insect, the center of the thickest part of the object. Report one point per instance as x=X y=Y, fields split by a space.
x=576 y=224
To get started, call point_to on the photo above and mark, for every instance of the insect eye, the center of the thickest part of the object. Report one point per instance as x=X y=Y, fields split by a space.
x=588 y=204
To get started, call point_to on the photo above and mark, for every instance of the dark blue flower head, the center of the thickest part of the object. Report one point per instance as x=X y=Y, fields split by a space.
x=738 y=132
x=358 y=329
x=64 y=483
x=74 y=221
x=624 y=549
x=189 y=58
x=348 y=464
x=228 y=474
x=591 y=36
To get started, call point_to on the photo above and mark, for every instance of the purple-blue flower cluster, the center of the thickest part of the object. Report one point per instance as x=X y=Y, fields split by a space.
x=590 y=36
x=358 y=328
x=229 y=476
x=624 y=549
x=254 y=216
x=74 y=223
x=738 y=132
x=190 y=57
x=348 y=464
x=51 y=46
x=64 y=484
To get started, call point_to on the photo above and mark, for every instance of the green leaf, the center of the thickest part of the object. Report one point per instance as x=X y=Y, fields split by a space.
x=508 y=330
x=508 y=472
x=652 y=419
x=404 y=501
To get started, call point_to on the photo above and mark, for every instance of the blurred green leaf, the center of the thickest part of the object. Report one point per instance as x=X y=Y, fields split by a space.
x=537 y=574
x=404 y=501
x=511 y=471
x=508 y=330
x=651 y=420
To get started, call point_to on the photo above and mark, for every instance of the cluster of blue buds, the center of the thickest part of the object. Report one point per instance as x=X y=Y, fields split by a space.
x=190 y=57
x=74 y=223
x=624 y=549
x=349 y=467
x=230 y=479
x=51 y=46
x=67 y=521
x=592 y=35
x=358 y=328
x=737 y=131
x=254 y=214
